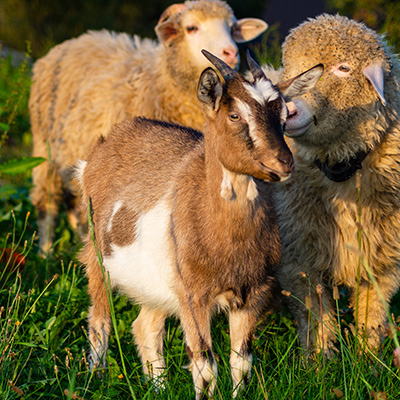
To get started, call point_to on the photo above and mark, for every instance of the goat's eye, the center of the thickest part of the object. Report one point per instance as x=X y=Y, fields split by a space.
x=192 y=29
x=284 y=126
x=234 y=117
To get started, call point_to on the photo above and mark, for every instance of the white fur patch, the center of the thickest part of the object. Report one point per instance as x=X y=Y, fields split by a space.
x=262 y=91
x=226 y=185
x=247 y=115
x=284 y=113
x=143 y=270
x=240 y=367
x=252 y=191
x=204 y=371
x=116 y=207
x=79 y=169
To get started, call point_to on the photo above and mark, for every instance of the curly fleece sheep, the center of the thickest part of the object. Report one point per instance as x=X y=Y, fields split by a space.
x=344 y=196
x=85 y=85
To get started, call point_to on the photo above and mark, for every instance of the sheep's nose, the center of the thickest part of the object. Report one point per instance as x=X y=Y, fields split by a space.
x=292 y=110
x=230 y=56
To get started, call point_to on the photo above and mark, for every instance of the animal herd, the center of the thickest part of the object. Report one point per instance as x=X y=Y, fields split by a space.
x=208 y=187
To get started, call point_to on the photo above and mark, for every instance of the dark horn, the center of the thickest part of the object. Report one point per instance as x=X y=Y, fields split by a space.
x=255 y=69
x=226 y=71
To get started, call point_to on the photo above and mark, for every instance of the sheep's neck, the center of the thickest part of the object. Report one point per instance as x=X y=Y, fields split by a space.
x=182 y=76
x=342 y=171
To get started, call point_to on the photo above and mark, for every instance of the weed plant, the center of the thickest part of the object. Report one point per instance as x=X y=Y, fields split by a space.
x=44 y=303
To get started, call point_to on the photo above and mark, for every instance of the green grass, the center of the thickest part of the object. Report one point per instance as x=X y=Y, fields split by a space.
x=43 y=307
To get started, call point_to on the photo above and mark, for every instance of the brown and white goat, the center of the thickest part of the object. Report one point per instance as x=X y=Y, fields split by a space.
x=185 y=221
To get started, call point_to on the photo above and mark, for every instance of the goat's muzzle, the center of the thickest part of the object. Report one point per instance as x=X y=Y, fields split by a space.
x=280 y=168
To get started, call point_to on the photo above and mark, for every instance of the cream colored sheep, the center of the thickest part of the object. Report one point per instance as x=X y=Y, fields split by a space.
x=349 y=122
x=85 y=85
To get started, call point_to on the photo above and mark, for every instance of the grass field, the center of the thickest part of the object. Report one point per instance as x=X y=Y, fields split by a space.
x=44 y=302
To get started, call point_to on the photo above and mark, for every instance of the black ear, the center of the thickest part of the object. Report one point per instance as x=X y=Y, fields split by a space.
x=209 y=90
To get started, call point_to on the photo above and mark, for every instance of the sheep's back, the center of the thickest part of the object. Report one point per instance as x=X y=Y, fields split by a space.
x=80 y=89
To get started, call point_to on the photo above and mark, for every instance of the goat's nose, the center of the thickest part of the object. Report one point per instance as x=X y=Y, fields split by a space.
x=287 y=161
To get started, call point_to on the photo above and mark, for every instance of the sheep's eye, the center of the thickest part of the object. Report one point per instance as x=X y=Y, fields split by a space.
x=234 y=117
x=284 y=126
x=192 y=28
x=344 y=68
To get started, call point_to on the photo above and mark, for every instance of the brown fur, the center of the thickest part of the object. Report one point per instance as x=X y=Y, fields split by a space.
x=322 y=221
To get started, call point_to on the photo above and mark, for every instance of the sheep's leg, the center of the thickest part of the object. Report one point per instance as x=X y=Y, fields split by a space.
x=313 y=311
x=148 y=330
x=370 y=310
x=241 y=325
x=76 y=212
x=99 y=319
x=195 y=320
x=46 y=197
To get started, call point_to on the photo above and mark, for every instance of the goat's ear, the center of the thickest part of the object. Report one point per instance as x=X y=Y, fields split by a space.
x=302 y=83
x=374 y=74
x=209 y=90
x=247 y=29
x=167 y=31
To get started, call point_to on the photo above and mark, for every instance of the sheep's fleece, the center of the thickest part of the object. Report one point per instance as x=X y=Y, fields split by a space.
x=328 y=226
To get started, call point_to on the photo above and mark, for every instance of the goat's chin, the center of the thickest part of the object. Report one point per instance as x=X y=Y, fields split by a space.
x=272 y=178
x=273 y=175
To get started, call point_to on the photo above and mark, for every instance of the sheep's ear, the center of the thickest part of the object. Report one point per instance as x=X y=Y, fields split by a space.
x=209 y=90
x=302 y=83
x=247 y=29
x=167 y=31
x=374 y=74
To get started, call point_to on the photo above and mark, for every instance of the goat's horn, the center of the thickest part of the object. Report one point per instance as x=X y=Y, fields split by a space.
x=171 y=10
x=255 y=69
x=226 y=71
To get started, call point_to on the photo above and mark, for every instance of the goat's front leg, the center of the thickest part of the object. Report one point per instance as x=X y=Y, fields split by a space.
x=195 y=320
x=148 y=330
x=241 y=325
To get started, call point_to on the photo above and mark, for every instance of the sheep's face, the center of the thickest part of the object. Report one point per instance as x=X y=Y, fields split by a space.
x=351 y=90
x=213 y=35
x=186 y=29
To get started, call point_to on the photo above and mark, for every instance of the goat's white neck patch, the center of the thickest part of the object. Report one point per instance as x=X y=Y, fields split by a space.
x=262 y=91
x=226 y=185
x=247 y=115
x=227 y=189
